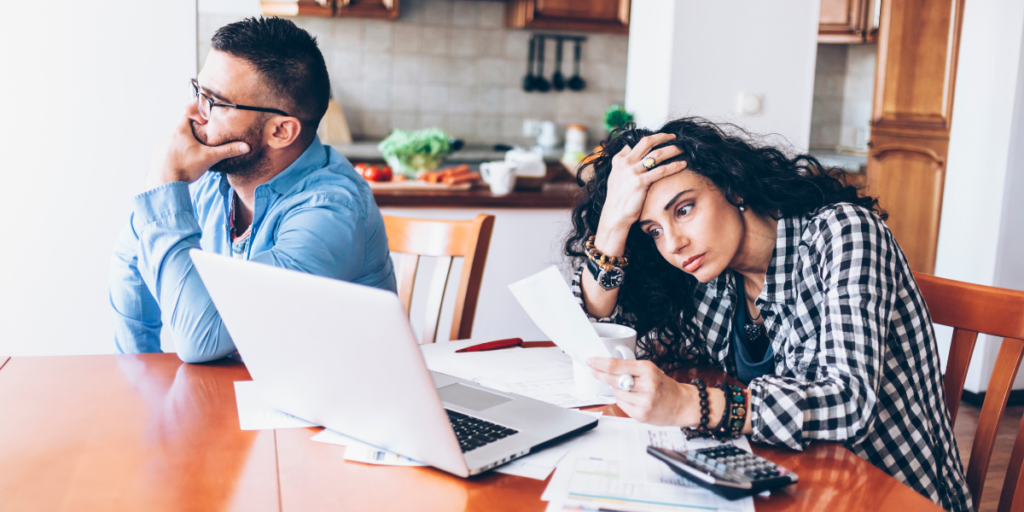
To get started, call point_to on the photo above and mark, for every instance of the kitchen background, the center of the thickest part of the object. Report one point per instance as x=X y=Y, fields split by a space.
x=684 y=56
x=453 y=65
x=844 y=84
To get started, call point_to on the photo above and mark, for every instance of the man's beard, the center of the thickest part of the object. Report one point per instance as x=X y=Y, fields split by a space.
x=246 y=166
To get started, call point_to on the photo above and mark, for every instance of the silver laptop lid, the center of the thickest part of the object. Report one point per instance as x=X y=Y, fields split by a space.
x=308 y=361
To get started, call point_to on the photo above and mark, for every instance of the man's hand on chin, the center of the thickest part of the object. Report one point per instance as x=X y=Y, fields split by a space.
x=180 y=157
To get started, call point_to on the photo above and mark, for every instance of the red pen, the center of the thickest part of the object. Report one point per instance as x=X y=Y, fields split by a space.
x=493 y=345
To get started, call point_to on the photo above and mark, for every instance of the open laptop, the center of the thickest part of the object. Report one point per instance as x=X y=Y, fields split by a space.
x=343 y=356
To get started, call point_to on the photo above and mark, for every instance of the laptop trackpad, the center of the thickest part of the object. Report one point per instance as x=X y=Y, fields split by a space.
x=471 y=398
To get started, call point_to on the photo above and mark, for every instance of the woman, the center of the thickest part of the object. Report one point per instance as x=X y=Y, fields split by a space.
x=773 y=270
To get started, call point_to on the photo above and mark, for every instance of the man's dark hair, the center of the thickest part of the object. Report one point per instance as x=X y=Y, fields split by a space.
x=288 y=61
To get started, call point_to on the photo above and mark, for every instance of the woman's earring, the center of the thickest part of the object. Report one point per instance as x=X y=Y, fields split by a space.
x=742 y=208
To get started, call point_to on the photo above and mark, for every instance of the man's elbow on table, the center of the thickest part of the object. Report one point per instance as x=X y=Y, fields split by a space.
x=204 y=347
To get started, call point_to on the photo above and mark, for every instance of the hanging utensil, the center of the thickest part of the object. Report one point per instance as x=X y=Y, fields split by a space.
x=539 y=82
x=557 y=80
x=577 y=83
x=528 y=80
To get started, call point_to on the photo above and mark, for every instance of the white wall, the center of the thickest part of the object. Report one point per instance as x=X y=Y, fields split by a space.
x=713 y=51
x=88 y=87
x=981 y=238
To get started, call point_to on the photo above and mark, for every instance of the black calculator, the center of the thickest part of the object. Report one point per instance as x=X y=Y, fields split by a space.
x=727 y=470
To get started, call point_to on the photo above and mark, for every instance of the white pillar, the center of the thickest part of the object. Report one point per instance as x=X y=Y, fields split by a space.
x=981 y=238
x=695 y=57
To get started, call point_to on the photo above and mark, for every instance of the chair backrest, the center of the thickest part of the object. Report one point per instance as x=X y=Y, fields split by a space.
x=445 y=240
x=971 y=309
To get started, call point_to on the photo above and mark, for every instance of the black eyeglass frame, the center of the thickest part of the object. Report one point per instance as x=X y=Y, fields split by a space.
x=198 y=92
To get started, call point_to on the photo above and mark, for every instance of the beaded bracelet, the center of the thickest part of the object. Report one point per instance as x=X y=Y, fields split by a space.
x=601 y=259
x=702 y=429
x=735 y=414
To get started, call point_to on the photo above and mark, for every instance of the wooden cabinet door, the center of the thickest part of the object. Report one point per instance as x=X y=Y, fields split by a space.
x=918 y=42
x=908 y=176
x=387 y=9
x=842 y=21
x=587 y=15
x=323 y=8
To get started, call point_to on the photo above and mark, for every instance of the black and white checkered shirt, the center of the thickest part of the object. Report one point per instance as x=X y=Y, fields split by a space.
x=855 y=354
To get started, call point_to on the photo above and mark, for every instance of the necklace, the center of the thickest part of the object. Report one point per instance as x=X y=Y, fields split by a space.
x=756 y=318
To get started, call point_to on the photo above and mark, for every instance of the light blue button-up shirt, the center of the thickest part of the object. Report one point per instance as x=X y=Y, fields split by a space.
x=316 y=216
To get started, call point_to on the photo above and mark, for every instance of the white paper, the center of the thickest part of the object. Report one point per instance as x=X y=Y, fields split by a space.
x=609 y=468
x=543 y=374
x=358 y=451
x=526 y=469
x=539 y=465
x=255 y=414
x=594 y=482
x=551 y=305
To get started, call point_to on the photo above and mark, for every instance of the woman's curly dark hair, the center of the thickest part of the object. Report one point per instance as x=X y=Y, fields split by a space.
x=658 y=297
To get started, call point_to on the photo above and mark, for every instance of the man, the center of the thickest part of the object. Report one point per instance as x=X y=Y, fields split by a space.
x=275 y=194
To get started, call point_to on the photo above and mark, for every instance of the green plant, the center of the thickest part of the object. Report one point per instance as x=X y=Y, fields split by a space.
x=616 y=117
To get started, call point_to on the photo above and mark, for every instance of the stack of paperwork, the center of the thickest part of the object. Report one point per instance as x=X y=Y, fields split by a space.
x=608 y=468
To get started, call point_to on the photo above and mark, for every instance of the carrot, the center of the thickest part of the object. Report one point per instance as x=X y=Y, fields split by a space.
x=432 y=177
x=462 y=178
x=456 y=171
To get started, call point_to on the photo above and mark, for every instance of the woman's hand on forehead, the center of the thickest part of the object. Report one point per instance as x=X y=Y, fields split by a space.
x=633 y=171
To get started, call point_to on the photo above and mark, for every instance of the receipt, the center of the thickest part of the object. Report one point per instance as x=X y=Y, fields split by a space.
x=547 y=299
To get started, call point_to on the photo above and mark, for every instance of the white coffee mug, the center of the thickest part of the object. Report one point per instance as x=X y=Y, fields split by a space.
x=621 y=342
x=500 y=175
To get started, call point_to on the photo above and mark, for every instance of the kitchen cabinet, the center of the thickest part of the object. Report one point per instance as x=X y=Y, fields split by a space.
x=382 y=9
x=611 y=16
x=848 y=21
x=918 y=44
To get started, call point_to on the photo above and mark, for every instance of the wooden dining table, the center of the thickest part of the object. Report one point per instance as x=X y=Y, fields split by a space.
x=148 y=432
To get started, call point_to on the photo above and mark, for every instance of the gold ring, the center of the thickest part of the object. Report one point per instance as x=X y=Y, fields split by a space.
x=649 y=163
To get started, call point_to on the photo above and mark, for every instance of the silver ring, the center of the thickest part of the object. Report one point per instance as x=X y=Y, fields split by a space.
x=649 y=163
x=625 y=382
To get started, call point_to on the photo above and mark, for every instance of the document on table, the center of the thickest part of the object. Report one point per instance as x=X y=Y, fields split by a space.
x=539 y=465
x=358 y=451
x=543 y=374
x=609 y=468
x=255 y=414
x=547 y=299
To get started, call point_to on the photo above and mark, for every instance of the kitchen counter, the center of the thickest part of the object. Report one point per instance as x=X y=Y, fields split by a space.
x=850 y=163
x=553 y=195
x=366 y=151
x=557 y=195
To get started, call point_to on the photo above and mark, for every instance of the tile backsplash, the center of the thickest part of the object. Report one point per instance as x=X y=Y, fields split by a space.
x=844 y=82
x=453 y=64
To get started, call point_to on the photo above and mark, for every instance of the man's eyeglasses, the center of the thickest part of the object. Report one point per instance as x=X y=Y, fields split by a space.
x=206 y=104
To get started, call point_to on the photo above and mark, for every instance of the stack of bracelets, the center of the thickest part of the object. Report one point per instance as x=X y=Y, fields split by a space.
x=733 y=418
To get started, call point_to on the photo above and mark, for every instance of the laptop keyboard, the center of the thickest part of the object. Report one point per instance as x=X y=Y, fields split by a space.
x=475 y=432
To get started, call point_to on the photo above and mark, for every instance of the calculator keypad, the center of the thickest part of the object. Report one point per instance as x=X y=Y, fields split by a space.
x=731 y=463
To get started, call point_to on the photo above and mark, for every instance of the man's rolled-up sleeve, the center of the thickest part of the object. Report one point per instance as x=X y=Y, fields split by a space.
x=137 y=322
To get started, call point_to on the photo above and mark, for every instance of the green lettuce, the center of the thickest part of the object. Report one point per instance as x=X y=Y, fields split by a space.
x=401 y=144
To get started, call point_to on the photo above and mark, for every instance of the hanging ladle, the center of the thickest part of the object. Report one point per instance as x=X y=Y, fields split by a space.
x=540 y=83
x=557 y=80
x=576 y=83
x=528 y=79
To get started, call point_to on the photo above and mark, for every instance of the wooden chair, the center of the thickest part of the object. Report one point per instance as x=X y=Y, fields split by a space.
x=443 y=239
x=971 y=309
